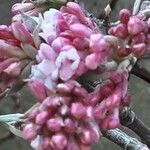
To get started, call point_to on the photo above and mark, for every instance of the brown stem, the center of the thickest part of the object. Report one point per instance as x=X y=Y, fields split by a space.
x=141 y=72
x=130 y=120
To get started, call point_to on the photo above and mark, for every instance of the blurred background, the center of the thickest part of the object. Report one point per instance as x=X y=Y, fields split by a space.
x=140 y=90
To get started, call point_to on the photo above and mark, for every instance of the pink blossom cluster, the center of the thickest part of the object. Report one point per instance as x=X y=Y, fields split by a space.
x=15 y=44
x=72 y=118
x=73 y=46
x=133 y=33
x=53 y=52
x=68 y=116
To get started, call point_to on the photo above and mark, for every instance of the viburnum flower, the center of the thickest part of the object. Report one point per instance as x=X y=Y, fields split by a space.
x=71 y=116
x=133 y=33
x=17 y=55
x=67 y=115
x=58 y=53
x=73 y=45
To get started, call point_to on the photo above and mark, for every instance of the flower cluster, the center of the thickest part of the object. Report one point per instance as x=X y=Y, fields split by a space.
x=73 y=46
x=16 y=44
x=67 y=115
x=133 y=33
x=72 y=117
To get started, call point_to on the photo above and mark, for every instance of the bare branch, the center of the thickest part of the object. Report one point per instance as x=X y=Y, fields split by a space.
x=130 y=120
x=141 y=72
x=123 y=140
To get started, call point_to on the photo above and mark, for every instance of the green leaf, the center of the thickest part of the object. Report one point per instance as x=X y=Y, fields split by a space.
x=11 y=118
x=9 y=122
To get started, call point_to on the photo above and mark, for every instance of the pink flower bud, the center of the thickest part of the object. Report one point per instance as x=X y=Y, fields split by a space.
x=148 y=22
x=90 y=134
x=46 y=143
x=113 y=120
x=92 y=61
x=75 y=9
x=124 y=16
x=81 y=69
x=17 y=17
x=100 y=111
x=93 y=98
x=33 y=113
x=7 y=50
x=41 y=118
x=72 y=144
x=58 y=141
x=29 y=132
x=36 y=143
x=123 y=52
x=80 y=43
x=135 y=25
x=63 y=26
x=116 y=78
x=38 y=90
x=126 y=100
x=79 y=91
x=54 y=124
x=64 y=110
x=21 y=33
x=105 y=90
x=46 y=52
x=5 y=33
x=60 y=42
x=89 y=112
x=69 y=125
x=22 y=7
x=6 y=63
x=64 y=88
x=80 y=30
x=139 y=49
x=78 y=110
x=139 y=38
x=51 y=102
x=121 y=31
x=98 y=43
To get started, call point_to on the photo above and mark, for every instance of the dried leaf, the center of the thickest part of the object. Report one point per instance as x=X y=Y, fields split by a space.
x=29 y=50
x=29 y=22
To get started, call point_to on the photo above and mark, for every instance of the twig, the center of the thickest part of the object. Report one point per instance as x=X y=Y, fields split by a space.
x=123 y=140
x=130 y=120
x=141 y=72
